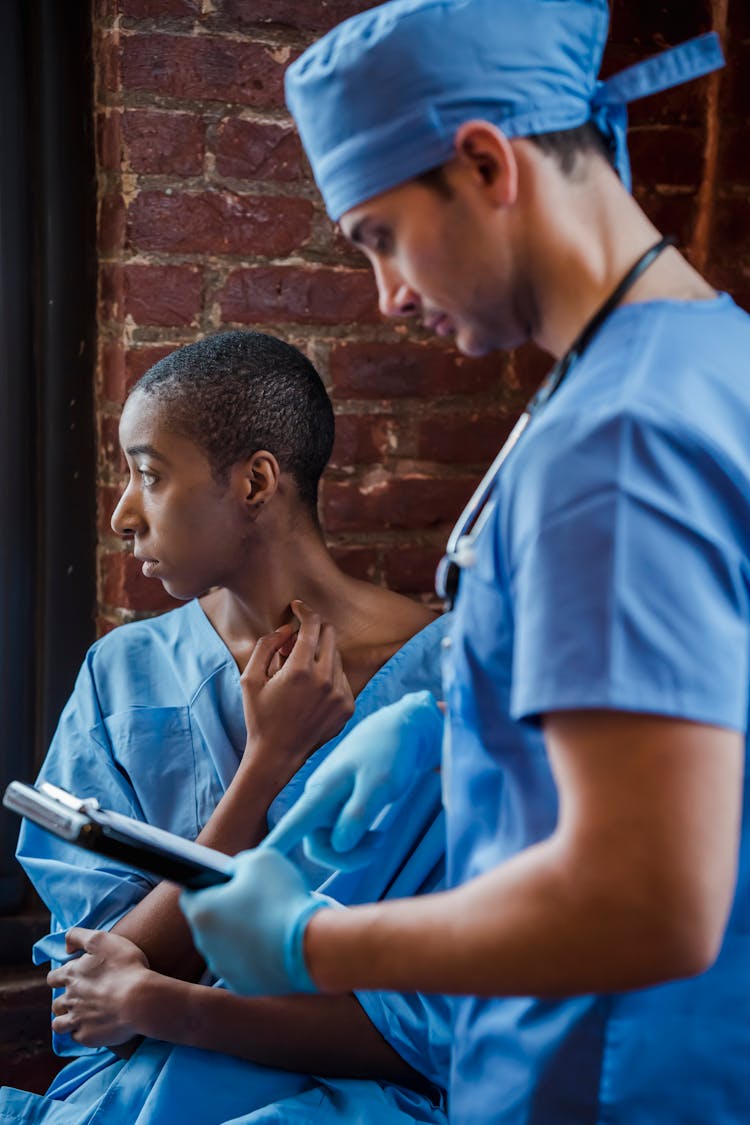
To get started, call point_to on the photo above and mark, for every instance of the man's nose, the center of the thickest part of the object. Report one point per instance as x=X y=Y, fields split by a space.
x=395 y=297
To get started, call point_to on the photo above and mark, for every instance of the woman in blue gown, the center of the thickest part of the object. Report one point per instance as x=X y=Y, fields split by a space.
x=225 y=442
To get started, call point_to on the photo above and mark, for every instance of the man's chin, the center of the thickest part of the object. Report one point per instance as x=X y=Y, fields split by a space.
x=476 y=344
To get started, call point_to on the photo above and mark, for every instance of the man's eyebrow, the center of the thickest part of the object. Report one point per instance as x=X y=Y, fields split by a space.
x=136 y=450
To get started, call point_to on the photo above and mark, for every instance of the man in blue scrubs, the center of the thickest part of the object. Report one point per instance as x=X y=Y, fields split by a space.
x=596 y=933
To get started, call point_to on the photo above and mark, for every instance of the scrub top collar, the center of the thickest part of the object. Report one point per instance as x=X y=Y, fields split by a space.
x=460 y=549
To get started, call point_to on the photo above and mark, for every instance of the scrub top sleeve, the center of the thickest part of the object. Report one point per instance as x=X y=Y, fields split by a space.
x=627 y=576
x=77 y=886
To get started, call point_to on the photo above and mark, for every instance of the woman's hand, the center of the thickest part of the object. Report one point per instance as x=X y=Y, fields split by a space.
x=103 y=989
x=292 y=708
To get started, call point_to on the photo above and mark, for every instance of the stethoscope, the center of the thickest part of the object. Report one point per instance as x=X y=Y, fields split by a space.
x=460 y=552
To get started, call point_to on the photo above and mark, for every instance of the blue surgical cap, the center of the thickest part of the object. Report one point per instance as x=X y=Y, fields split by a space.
x=379 y=99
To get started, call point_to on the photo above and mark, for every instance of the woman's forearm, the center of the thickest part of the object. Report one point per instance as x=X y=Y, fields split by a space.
x=156 y=924
x=329 y=1035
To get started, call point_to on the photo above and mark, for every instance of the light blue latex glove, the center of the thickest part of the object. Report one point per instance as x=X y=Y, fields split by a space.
x=251 y=929
x=374 y=765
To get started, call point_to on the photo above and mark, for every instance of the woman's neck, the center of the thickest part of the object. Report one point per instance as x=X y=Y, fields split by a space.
x=371 y=622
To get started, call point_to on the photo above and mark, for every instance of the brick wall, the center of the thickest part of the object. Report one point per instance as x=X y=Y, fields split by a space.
x=208 y=218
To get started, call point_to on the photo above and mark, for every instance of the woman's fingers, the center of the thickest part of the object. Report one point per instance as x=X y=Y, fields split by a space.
x=259 y=667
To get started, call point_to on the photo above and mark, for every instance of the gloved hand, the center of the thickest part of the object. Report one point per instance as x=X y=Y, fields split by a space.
x=251 y=929
x=370 y=768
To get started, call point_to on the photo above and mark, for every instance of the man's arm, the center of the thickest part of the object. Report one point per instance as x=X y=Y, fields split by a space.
x=633 y=888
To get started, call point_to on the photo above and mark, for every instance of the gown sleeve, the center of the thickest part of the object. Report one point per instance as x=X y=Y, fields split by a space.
x=628 y=576
x=81 y=888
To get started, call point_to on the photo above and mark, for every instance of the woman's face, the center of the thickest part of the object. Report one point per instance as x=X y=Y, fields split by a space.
x=187 y=529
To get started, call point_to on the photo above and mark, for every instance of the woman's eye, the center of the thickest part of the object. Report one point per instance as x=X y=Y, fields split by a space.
x=148 y=479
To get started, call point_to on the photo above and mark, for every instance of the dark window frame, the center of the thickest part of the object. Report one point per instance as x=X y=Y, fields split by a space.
x=47 y=357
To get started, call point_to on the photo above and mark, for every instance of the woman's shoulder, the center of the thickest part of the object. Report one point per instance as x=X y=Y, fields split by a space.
x=399 y=627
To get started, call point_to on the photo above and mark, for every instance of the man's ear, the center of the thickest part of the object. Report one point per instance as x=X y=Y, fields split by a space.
x=257 y=479
x=489 y=155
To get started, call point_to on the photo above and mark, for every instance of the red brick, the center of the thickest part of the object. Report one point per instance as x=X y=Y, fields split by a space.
x=121 y=370
x=124 y=585
x=672 y=214
x=358 y=562
x=671 y=155
x=406 y=370
x=656 y=26
x=139 y=360
x=105 y=9
x=219 y=222
x=163 y=142
x=111 y=459
x=107 y=498
x=320 y=16
x=109 y=140
x=411 y=570
x=682 y=105
x=730 y=242
x=468 y=440
x=108 y=57
x=529 y=366
x=162 y=295
x=110 y=292
x=733 y=280
x=735 y=88
x=112 y=224
x=205 y=67
x=252 y=150
x=268 y=294
x=112 y=370
x=152 y=9
x=104 y=625
x=734 y=155
x=362 y=439
x=381 y=501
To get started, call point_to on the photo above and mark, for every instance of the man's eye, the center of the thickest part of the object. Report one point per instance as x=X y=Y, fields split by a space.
x=381 y=243
x=148 y=479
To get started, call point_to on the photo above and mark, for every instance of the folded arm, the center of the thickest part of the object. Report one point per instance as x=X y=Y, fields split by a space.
x=288 y=715
x=111 y=995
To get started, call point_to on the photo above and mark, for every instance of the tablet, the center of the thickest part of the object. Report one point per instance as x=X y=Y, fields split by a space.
x=82 y=822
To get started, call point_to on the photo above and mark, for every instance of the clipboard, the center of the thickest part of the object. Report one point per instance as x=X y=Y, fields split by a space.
x=81 y=821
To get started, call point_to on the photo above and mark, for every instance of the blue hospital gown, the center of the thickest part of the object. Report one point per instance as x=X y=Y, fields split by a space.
x=155 y=729
x=613 y=572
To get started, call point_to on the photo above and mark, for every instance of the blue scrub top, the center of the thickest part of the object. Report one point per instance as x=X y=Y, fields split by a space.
x=155 y=729
x=612 y=573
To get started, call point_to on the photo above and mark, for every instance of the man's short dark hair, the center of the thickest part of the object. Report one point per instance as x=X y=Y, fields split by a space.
x=565 y=146
x=568 y=144
x=236 y=392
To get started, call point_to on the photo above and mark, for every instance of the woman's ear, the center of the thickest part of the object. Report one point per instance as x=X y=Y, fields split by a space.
x=487 y=153
x=258 y=479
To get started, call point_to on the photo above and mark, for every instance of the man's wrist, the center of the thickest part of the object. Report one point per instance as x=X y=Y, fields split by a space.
x=295 y=949
x=321 y=949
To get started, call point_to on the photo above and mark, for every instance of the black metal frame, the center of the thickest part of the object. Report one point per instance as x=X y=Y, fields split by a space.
x=47 y=333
